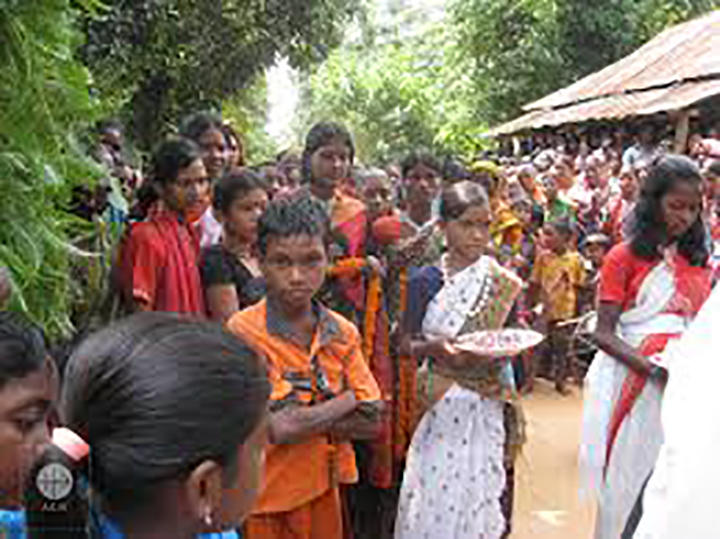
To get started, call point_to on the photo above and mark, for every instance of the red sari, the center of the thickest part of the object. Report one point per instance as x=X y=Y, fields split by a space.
x=365 y=290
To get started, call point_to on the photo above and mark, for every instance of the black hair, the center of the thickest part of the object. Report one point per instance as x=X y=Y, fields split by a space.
x=198 y=123
x=285 y=155
x=649 y=233
x=320 y=135
x=598 y=239
x=154 y=396
x=235 y=185
x=173 y=155
x=111 y=124
x=563 y=227
x=420 y=157
x=456 y=199
x=23 y=348
x=454 y=171
x=293 y=216
x=169 y=158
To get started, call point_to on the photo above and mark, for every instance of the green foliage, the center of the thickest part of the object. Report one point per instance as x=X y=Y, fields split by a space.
x=44 y=100
x=162 y=59
x=512 y=49
x=524 y=49
x=659 y=14
x=396 y=95
x=400 y=85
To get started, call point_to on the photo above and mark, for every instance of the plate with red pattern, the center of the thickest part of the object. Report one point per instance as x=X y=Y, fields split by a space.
x=499 y=343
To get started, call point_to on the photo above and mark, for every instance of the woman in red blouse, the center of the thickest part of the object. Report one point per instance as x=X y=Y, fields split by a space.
x=650 y=289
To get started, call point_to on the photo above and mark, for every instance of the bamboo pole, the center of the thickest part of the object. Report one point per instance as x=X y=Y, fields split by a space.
x=682 y=129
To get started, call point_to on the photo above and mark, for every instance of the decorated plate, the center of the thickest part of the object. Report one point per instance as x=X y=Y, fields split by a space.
x=499 y=343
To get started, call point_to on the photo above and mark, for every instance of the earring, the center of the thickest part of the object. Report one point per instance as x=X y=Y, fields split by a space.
x=208 y=519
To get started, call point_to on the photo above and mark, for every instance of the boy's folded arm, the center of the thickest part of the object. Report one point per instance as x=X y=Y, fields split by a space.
x=295 y=423
x=362 y=424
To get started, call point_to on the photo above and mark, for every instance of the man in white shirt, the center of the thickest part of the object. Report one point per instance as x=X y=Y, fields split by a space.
x=643 y=151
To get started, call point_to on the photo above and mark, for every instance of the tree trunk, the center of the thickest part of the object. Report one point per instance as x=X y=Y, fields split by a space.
x=149 y=112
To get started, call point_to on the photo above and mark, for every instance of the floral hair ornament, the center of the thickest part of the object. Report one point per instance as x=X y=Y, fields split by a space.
x=70 y=443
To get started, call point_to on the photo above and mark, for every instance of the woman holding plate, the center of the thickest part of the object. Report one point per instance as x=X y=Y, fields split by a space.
x=456 y=477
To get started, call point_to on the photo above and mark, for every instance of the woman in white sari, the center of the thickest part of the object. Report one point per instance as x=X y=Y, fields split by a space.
x=455 y=475
x=650 y=290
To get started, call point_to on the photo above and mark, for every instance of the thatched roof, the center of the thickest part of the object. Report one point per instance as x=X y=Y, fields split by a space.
x=676 y=69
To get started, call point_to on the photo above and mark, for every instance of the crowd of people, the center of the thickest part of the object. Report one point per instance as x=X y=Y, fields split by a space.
x=285 y=363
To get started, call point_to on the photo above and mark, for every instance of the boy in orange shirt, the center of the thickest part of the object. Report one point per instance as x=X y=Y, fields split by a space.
x=324 y=394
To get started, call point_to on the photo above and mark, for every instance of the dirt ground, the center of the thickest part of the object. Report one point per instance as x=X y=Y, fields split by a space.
x=546 y=496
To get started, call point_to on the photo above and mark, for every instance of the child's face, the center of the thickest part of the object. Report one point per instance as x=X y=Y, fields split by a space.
x=595 y=253
x=523 y=212
x=26 y=405
x=551 y=187
x=553 y=240
x=330 y=163
x=274 y=177
x=628 y=186
x=527 y=181
x=423 y=184
x=469 y=235
x=241 y=221
x=294 y=270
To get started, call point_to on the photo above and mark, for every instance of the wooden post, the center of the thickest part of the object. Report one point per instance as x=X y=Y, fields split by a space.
x=682 y=128
x=517 y=148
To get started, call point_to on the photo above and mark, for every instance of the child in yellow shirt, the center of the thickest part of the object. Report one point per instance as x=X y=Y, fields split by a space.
x=558 y=274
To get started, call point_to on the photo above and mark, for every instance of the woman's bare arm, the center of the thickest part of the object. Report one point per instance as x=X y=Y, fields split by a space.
x=222 y=301
x=609 y=342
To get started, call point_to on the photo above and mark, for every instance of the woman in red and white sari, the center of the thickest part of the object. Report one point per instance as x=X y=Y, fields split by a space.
x=650 y=290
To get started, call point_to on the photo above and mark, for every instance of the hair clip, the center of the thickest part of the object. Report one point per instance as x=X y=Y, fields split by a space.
x=70 y=443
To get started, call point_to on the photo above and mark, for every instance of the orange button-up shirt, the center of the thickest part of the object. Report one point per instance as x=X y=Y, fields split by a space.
x=298 y=473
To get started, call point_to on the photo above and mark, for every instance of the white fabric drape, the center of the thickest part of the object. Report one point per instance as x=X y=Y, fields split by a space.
x=681 y=498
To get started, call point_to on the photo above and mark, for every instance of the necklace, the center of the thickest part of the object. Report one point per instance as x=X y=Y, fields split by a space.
x=484 y=294
x=481 y=272
x=245 y=256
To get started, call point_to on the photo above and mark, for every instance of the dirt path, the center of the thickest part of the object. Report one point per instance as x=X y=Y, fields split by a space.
x=547 y=504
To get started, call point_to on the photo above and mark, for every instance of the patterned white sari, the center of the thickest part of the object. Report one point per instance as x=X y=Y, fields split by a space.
x=455 y=472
